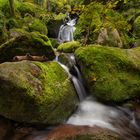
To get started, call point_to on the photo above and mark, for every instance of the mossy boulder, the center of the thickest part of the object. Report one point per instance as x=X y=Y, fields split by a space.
x=137 y=27
x=33 y=43
x=112 y=74
x=69 y=47
x=38 y=93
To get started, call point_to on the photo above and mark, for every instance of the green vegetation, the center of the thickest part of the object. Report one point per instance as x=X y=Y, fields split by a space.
x=112 y=74
x=37 y=25
x=39 y=93
x=137 y=27
x=69 y=47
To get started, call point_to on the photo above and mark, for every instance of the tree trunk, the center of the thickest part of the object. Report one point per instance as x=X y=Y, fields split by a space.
x=12 y=10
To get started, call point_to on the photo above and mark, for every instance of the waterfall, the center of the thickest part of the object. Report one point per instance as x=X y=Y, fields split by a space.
x=93 y=113
x=76 y=82
x=66 y=30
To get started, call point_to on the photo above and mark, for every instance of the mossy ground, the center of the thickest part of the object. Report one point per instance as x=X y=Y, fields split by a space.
x=36 y=92
x=69 y=47
x=112 y=74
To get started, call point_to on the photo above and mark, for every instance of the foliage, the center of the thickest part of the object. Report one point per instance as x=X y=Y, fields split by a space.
x=25 y=8
x=37 y=25
x=96 y=16
x=137 y=27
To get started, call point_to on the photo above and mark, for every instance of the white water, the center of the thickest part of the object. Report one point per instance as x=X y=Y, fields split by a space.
x=66 y=31
x=91 y=112
x=79 y=88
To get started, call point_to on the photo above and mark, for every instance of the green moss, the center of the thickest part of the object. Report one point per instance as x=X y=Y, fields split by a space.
x=26 y=8
x=11 y=23
x=38 y=25
x=112 y=74
x=54 y=42
x=137 y=27
x=36 y=92
x=33 y=43
x=69 y=47
x=15 y=32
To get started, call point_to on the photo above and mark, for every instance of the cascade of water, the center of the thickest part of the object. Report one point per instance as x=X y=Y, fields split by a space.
x=76 y=82
x=66 y=31
x=79 y=88
x=92 y=113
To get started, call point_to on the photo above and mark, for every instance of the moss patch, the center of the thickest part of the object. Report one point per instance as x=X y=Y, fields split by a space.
x=69 y=47
x=38 y=25
x=33 y=43
x=112 y=74
x=36 y=92
x=137 y=27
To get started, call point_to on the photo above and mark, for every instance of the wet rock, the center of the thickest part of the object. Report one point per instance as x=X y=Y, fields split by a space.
x=67 y=59
x=35 y=92
x=5 y=128
x=70 y=132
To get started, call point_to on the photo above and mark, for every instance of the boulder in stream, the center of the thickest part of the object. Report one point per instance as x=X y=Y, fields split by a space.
x=112 y=74
x=69 y=47
x=36 y=93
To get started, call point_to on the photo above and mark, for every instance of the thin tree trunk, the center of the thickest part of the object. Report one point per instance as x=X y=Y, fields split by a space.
x=12 y=9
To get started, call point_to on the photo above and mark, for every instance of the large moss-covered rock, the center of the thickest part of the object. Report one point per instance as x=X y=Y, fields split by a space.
x=36 y=92
x=69 y=47
x=112 y=74
x=33 y=43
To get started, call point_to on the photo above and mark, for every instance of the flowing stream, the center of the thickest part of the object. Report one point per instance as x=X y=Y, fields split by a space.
x=93 y=113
